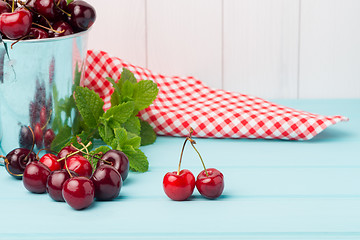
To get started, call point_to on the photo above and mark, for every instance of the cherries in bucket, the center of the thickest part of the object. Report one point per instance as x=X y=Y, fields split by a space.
x=38 y=19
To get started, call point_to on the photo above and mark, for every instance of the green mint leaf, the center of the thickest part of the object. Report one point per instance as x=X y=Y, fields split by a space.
x=127 y=91
x=147 y=133
x=115 y=96
x=61 y=138
x=137 y=160
x=127 y=75
x=98 y=152
x=89 y=105
x=145 y=93
x=106 y=132
x=120 y=138
x=115 y=99
x=120 y=113
x=132 y=125
x=133 y=140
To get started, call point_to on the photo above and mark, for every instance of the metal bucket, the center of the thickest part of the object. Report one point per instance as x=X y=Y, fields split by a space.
x=38 y=75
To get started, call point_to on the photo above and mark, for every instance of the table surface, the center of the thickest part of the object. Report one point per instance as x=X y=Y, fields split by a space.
x=274 y=189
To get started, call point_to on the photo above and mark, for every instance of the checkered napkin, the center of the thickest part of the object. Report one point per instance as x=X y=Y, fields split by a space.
x=185 y=102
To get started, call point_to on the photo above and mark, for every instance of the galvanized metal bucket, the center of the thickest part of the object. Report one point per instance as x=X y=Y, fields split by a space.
x=38 y=75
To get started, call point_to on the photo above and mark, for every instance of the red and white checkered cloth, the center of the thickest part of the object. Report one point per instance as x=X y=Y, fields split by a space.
x=186 y=102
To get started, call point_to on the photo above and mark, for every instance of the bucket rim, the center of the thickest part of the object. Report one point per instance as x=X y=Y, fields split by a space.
x=75 y=35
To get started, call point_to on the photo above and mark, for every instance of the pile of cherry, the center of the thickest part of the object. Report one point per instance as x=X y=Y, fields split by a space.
x=179 y=185
x=37 y=19
x=69 y=176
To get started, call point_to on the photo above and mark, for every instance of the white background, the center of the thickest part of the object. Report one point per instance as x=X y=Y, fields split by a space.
x=268 y=48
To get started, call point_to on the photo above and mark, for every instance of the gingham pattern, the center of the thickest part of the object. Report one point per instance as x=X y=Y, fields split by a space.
x=186 y=102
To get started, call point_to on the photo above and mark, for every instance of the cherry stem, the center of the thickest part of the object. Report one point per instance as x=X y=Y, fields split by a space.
x=33 y=143
x=182 y=151
x=37 y=155
x=7 y=168
x=74 y=153
x=66 y=166
x=13 y=6
x=87 y=154
x=48 y=120
x=2 y=163
x=50 y=29
x=18 y=40
x=193 y=145
x=62 y=10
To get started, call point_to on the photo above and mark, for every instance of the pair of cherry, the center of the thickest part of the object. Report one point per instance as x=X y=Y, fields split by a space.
x=179 y=185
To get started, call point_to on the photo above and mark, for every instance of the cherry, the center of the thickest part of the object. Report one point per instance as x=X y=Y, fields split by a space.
x=78 y=192
x=66 y=151
x=179 y=186
x=50 y=160
x=43 y=117
x=16 y=161
x=49 y=137
x=55 y=183
x=118 y=160
x=107 y=182
x=35 y=177
x=37 y=33
x=83 y=15
x=210 y=183
x=38 y=132
x=26 y=137
x=4 y=7
x=79 y=164
x=46 y=8
x=62 y=28
x=17 y=24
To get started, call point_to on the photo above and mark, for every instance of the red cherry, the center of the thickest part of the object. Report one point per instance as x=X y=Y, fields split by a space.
x=55 y=183
x=35 y=177
x=179 y=187
x=107 y=182
x=17 y=160
x=38 y=135
x=45 y=8
x=83 y=15
x=49 y=137
x=66 y=151
x=17 y=24
x=78 y=192
x=118 y=160
x=62 y=28
x=50 y=160
x=4 y=7
x=210 y=186
x=80 y=165
x=43 y=116
x=37 y=33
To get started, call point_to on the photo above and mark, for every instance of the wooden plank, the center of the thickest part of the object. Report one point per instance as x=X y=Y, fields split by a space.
x=261 y=47
x=330 y=49
x=120 y=29
x=184 y=38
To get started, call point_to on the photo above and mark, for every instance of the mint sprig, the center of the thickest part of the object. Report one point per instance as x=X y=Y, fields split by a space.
x=118 y=127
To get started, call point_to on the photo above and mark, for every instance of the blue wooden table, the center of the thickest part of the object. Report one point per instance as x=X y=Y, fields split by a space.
x=273 y=190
